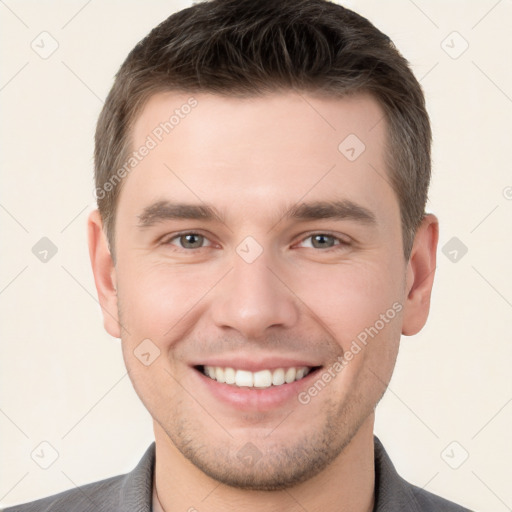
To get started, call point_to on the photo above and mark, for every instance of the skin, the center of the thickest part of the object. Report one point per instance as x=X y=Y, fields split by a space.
x=253 y=159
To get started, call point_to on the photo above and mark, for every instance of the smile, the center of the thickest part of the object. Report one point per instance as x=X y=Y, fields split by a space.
x=259 y=380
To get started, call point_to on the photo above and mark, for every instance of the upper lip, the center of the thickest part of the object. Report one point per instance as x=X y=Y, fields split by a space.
x=254 y=364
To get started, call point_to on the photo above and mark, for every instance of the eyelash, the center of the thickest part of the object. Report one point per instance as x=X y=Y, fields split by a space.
x=339 y=242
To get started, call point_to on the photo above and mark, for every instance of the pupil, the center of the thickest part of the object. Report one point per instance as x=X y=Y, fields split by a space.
x=322 y=241
x=191 y=241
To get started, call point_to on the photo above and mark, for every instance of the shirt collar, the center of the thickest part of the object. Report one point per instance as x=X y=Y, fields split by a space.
x=392 y=492
x=135 y=493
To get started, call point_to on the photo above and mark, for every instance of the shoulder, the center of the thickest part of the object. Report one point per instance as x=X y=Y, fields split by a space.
x=431 y=502
x=395 y=494
x=96 y=496
x=131 y=492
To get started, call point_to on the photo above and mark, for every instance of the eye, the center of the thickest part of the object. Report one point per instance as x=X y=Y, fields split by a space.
x=189 y=241
x=322 y=241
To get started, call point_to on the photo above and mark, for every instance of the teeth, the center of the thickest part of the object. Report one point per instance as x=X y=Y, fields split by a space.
x=219 y=375
x=230 y=376
x=299 y=374
x=261 y=379
x=278 y=377
x=290 y=375
x=242 y=378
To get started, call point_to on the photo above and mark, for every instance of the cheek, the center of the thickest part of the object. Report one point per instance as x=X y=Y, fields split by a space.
x=161 y=301
x=361 y=306
x=350 y=298
x=157 y=301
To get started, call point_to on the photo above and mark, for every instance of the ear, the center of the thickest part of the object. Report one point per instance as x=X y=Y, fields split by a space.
x=104 y=273
x=420 y=275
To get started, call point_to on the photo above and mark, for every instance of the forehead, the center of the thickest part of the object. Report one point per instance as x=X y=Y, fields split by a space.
x=253 y=122
x=275 y=148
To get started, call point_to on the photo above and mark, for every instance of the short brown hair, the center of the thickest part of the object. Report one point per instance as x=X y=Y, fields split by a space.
x=252 y=47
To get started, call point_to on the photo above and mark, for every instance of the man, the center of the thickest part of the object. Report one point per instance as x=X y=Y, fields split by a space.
x=260 y=245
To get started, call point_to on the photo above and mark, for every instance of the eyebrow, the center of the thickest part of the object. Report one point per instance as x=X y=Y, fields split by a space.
x=162 y=211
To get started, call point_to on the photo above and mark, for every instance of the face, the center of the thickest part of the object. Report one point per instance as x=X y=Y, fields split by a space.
x=256 y=236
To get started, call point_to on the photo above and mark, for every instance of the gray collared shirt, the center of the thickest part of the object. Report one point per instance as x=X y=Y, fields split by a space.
x=133 y=492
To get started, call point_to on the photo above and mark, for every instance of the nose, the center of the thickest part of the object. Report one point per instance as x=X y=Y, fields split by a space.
x=254 y=297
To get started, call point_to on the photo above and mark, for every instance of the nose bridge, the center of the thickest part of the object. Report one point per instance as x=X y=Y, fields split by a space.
x=253 y=298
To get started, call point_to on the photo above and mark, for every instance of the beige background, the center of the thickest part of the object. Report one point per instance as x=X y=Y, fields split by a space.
x=62 y=377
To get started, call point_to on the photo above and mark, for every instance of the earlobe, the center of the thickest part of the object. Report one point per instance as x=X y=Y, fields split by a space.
x=420 y=276
x=104 y=273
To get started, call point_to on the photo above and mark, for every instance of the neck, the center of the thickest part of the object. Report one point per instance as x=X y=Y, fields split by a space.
x=346 y=484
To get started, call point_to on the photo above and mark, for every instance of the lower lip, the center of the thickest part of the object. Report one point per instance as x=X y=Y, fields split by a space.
x=255 y=399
